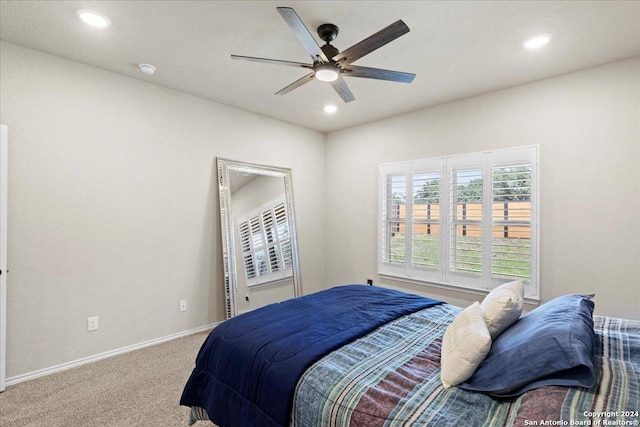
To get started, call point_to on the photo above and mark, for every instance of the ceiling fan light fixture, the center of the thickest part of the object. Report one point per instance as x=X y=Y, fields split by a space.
x=326 y=73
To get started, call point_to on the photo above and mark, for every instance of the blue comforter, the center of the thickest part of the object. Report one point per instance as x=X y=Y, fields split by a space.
x=247 y=369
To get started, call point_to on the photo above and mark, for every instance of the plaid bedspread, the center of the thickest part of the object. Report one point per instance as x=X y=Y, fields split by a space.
x=391 y=378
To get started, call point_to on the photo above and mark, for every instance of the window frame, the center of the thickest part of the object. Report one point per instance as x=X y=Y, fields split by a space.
x=446 y=166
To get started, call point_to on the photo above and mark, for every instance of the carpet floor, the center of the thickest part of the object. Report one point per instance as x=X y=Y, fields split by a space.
x=140 y=388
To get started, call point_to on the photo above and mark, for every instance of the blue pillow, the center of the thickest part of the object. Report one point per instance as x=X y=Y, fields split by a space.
x=551 y=345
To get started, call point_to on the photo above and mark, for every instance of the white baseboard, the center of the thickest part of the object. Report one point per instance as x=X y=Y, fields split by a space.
x=90 y=359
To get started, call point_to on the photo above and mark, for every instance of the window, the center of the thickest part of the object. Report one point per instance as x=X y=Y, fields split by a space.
x=467 y=221
x=265 y=243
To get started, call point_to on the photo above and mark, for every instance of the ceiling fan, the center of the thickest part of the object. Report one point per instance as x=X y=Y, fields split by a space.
x=329 y=64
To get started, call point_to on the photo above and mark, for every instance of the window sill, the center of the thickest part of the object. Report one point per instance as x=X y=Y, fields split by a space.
x=270 y=282
x=448 y=286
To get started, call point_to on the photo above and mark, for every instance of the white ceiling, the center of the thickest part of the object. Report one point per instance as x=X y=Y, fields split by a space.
x=456 y=48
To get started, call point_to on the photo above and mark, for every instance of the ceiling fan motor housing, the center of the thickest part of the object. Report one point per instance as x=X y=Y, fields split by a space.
x=328 y=32
x=329 y=51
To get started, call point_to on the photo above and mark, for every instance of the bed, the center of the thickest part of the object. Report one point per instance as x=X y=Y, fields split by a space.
x=366 y=356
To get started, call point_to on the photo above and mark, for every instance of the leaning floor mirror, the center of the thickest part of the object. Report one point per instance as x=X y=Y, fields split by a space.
x=259 y=241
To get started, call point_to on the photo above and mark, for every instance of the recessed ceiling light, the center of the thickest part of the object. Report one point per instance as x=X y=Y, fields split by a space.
x=330 y=109
x=538 y=41
x=147 y=69
x=93 y=18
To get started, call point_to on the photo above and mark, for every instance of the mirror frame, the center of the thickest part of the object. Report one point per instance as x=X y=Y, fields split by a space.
x=226 y=222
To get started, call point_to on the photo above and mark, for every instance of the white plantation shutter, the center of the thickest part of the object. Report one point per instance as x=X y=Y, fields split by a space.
x=282 y=233
x=268 y=227
x=265 y=243
x=511 y=222
x=466 y=221
x=247 y=251
x=425 y=236
x=465 y=234
x=258 y=246
x=393 y=186
x=465 y=212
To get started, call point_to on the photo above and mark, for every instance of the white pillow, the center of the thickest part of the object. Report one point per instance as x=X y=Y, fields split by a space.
x=502 y=307
x=465 y=344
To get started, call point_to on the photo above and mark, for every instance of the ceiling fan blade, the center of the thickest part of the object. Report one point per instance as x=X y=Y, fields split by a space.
x=343 y=90
x=272 y=61
x=378 y=73
x=306 y=79
x=371 y=43
x=302 y=33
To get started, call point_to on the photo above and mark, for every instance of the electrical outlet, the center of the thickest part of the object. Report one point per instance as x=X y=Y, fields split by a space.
x=369 y=282
x=92 y=323
x=183 y=305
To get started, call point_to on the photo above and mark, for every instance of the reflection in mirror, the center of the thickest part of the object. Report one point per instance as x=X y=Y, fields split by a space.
x=259 y=247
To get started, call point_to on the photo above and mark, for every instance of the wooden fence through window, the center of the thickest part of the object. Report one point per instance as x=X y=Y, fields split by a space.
x=426 y=217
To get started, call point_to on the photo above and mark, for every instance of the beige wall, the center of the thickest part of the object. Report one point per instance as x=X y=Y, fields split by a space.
x=113 y=205
x=588 y=127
